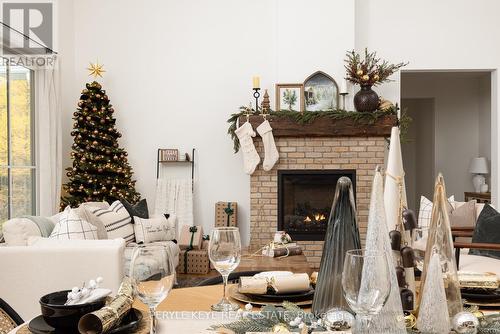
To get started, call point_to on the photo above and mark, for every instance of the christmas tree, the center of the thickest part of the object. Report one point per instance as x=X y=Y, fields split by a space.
x=100 y=169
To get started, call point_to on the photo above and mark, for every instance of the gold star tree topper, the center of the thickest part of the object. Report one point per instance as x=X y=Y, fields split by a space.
x=96 y=69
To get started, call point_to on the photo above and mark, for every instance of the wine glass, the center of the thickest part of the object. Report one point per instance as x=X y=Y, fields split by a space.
x=153 y=273
x=224 y=251
x=366 y=284
x=419 y=243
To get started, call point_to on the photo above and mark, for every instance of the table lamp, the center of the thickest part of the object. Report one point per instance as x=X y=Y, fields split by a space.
x=478 y=167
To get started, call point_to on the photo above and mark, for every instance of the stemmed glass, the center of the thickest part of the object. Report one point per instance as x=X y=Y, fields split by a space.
x=153 y=273
x=366 y=284
x=224 y=251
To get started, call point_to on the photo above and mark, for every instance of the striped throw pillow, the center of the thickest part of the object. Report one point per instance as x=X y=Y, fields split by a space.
x=425 y=211
x=71 y=226
x=117 y=221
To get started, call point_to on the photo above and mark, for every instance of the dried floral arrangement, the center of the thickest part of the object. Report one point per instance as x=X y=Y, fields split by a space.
x=371 y=70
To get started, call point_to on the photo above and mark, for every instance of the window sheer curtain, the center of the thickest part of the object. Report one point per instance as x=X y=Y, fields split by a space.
x=48 y=138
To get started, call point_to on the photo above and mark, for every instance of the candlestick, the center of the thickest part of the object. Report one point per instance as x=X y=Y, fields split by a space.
x=256 y=95
x=343 y=100
x=256 y=82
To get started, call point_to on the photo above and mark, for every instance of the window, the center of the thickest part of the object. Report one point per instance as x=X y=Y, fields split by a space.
x=17 y=155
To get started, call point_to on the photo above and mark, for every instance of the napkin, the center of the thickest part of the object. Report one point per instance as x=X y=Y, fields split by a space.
x=281 y=284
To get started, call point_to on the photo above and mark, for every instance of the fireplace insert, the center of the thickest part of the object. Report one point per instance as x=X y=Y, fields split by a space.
x=305 y=199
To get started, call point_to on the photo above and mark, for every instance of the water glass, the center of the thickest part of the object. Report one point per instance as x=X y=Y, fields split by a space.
x=224 y=251
x=366 y=284
x=153 y=273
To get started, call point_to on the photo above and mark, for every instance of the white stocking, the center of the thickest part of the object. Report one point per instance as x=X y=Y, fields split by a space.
x=271 y=154
x=250 y=156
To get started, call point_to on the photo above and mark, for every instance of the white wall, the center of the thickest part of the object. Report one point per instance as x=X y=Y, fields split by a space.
x=177 y=70
x=446 y=34
x=461 y=122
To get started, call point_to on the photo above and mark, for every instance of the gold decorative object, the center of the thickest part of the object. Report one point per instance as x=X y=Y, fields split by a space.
x=410 y=320
x=280 y=328
x=385 y=104
x=106 y=318
x=96 y=69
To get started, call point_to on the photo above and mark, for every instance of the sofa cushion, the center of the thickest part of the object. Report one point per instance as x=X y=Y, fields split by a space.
x=172 y=247
x=72 y=226
x=117 y=221
x=464 y=214
x=158 y=228
x=85 y=212
x=425 y=211
x=487 y=231
x=140 y=209
x=17 y=230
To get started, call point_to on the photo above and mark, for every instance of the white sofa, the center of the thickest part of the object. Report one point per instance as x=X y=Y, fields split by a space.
x=32 y=265
x=29 y=272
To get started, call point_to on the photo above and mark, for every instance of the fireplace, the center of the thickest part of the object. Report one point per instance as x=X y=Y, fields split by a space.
x=305 y=199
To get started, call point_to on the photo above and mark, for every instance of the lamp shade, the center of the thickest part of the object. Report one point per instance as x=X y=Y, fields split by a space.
x=478 y=166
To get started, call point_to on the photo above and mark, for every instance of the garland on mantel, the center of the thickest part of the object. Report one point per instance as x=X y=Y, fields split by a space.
x=366 y=118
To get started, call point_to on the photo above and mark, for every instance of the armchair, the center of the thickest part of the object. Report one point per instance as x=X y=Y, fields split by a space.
x=473 y=262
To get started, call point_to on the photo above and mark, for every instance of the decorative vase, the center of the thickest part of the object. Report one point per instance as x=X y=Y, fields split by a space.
x=342 y=234
x=366 y=100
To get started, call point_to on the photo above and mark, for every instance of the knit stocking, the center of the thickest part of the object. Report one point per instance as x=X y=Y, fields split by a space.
x=271 y=154
x=250 y=156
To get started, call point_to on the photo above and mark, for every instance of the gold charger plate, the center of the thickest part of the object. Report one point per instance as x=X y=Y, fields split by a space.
x=234 y=293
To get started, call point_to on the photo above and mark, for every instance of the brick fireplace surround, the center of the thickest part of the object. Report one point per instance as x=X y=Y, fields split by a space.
x=360 y=153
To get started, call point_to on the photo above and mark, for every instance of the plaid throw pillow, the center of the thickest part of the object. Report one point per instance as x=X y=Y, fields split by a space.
x=71 y=226
x=117 y=221
x=425 y=211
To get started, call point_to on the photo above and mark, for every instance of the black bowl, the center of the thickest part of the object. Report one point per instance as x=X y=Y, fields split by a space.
x=58 y=315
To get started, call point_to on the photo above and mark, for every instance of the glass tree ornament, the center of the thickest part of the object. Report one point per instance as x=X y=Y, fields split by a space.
x=433 y=316
x=342 y=234
x=390 y=320
x=440 y=241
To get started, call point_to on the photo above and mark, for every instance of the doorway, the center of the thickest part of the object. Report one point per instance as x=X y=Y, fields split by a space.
x=451 y=124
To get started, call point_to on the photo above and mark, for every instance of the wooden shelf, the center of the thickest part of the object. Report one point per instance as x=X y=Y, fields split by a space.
x=326 y=127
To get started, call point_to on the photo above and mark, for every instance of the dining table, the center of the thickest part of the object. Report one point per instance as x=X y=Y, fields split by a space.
x=185 y=310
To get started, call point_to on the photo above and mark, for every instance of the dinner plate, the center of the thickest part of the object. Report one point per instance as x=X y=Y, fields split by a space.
x=235 y=294
x=481 y=295
x=288 y=296
x=129 y=323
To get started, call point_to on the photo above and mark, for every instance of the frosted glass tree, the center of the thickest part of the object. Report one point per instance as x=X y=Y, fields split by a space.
x=391 y=319
x=433 y=316
x=440 y=241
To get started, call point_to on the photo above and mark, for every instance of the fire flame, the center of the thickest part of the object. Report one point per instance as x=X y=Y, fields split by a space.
x=317 y=217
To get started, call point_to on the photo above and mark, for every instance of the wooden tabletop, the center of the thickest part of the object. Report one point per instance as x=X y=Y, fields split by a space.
x=189 y=299
x=295 y=263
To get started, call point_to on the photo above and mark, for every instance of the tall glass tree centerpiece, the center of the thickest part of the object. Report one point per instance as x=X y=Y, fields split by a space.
x=342 y=234
x=440 y=242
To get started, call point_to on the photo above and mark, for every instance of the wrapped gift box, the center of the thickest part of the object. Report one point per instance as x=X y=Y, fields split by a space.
x=188 y=232
x=226 y=214
x=197 y=262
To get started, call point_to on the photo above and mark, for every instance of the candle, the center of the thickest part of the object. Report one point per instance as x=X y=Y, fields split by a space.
x=256 y=82
x=343 y=87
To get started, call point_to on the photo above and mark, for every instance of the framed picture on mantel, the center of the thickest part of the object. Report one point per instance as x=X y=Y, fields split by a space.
x=290 y=97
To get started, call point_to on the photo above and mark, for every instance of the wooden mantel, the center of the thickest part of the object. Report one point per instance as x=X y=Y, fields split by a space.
x=326 y=127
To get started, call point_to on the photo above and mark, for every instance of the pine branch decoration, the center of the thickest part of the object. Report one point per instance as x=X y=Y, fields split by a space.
x=369 y=71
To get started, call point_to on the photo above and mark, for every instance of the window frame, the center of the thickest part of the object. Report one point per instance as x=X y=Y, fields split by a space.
x=33 y=167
